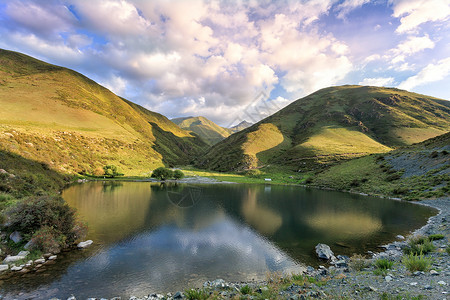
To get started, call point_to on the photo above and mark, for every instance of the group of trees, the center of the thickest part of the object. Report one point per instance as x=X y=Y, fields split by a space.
x=162 y=173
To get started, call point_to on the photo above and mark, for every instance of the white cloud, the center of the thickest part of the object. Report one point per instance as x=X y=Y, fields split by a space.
x=413 y=13
x=42 y=18
x=115 y=84
x=348 y=5
x=379 y=81
x=431 y=73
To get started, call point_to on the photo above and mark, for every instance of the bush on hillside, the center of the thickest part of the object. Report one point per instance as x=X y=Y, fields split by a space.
x=48 y=220
x=177 y=174
x=111 y=171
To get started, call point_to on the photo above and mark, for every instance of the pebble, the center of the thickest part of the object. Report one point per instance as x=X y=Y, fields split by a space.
x=434 y=272
x=413 y=283
x=443 y=283
x=388 y=278
x=427 y=287
x=53 y=257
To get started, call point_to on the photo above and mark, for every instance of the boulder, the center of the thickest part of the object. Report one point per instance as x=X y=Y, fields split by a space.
x=323 y=251
x=14 y=268
x=16 y=237
x=23 y=253
x=10 y=259
x=39 y=261
x=3 y=268
x=85 y=244
x=29 y=245
x=53 y=257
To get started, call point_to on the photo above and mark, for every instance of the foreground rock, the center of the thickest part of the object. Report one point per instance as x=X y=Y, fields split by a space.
x=323 y=251
x=85 y=244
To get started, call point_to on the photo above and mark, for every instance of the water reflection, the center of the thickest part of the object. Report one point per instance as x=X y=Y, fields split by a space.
x=158 y=237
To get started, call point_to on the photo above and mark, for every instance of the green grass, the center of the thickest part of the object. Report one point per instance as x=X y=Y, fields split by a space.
x=419 y=245
x=435 y=237
x=245 y=290
x=196 y=294
x=383 y=264
x=415 y=262
x=209 y=131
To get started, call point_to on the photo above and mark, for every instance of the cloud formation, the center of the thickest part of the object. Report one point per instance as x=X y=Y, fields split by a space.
x=213 y=57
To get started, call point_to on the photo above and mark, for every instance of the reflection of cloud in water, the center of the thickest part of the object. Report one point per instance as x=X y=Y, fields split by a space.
x=172 y=257
x=342 y=224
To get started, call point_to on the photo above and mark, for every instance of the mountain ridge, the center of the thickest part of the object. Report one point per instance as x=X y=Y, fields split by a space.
x=58 y=116
x=332 y=124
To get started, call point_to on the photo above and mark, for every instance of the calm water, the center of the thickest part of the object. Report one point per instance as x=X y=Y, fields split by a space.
x=151 y=237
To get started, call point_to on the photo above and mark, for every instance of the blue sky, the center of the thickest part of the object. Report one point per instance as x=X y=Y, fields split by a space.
x=213 y=58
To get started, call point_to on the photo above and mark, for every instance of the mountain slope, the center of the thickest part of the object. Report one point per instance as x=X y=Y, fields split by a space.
x=418 y=171
x=209 y=131
x=241 y=126
x=60 y=117
x=333 y=124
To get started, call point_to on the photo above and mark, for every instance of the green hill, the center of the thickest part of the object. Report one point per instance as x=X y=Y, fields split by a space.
x=61 y=118
x=418 y=171
x=206 y=129
x=330 y=125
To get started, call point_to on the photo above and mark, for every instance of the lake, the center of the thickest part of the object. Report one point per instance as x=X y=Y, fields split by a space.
x=153 y=237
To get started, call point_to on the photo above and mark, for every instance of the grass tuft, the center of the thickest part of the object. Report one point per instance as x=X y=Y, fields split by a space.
x=416 y=262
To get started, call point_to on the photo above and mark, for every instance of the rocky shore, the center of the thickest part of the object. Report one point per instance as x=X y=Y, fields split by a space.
x=339 y=278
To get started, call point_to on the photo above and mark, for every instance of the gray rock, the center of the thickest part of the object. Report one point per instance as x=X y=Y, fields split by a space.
x=29 y=245
x=10 y=259
x=413 y=283
x=427 y=287
x=443 y=283
x=371 y=288
x=85 y=244
x=388 y=278
x=434 y=273
x=178 y=295
x=72 y=298
x=323 y=251
x=16 y=237
x=23 y=253
x=400 y=237
x=3 y=268
x=218 y=283
x=53 y=257
x=15 y=268
x=417 y=273
x=39 y=261
x=155 y=296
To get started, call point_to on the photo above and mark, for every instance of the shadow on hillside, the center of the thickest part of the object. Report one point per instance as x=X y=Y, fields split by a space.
x=177 y=150
x=26 y=177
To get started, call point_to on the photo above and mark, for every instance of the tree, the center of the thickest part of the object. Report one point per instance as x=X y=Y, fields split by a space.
x=111 y=171
x=177 y=174
x=162 y=173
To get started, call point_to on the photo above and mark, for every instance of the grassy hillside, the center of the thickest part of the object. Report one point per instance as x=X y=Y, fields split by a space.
x=418 y=171
x=331 y=125
x=206 y=129
x=61 y=118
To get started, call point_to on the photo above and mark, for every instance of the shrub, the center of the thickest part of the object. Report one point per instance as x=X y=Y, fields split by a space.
x=419 y=245
x=246 y=290
x=416 y=262
x=162 y=173
x=45 y=240
x=383 y=264
x=435 y=237
x=358 y=262
x=111 y=171
x=37 y=215
x=177 y=174
x=194 y=294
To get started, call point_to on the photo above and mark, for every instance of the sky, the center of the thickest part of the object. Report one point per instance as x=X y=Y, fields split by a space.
x=235 y=60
